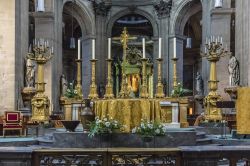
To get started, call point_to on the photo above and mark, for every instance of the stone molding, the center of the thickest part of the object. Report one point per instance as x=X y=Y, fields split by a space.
x=101 y=9
x=163 y=8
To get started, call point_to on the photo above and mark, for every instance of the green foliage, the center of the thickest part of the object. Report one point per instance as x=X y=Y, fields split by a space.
x=179 y=91
x=149 y=128
x=71 y=92
x=104 y=125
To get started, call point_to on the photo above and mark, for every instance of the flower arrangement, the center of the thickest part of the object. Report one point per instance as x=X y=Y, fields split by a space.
x=179 y=91
x=104 y=125
x=71 y=92
x=149 y=129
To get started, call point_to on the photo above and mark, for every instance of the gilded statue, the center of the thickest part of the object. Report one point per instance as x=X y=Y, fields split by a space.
x=234 y=71
x=30 y=73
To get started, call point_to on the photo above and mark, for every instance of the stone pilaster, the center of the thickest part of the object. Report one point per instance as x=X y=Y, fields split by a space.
x=7 y=52
x=242 y=37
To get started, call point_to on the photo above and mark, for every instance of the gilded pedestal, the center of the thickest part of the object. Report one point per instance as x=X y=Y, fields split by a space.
x=79 y=79
x=159 y=87
x=40 y=102
x=93 y=88
x=144 y=88
x=215 y=52
x=109 y=86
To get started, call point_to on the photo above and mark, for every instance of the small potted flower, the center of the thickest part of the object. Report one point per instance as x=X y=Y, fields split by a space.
x=104 y=126
x=148 y=129
x=71 y=92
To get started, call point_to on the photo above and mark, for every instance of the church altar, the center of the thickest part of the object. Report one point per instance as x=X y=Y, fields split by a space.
x=130 y=111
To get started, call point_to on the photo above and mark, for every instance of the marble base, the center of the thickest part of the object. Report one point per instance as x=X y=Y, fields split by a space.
x=172 y=125
x=81 y=140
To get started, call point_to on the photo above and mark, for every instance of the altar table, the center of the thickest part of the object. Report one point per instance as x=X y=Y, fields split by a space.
x=130 y=111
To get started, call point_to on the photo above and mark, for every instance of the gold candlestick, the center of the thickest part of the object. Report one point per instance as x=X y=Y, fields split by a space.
x=215 y=52
x=109 y=86
x=175 y=72
x=159 y=87
x=144 y=88
x=41 y=53
x=79 y=79
x=93 y=88
x=124 y=92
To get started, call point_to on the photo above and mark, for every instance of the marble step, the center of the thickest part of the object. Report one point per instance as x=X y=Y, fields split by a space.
x=203 y=141
x=200 y=135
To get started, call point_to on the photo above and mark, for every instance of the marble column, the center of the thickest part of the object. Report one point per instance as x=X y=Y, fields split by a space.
x=7 y=52
x=86 y=65
x=164 y=34
x=101 y=50
x=242 y=37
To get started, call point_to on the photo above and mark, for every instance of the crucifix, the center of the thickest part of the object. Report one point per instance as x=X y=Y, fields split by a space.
x=124 y=92
x=124 y=40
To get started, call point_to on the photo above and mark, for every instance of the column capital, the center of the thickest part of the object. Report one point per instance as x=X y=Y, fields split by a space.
x=163 y=8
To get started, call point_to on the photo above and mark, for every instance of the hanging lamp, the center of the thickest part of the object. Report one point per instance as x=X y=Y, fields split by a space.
x=72 y=39
x=189 y=39
x=218 y=3
x=40 y=6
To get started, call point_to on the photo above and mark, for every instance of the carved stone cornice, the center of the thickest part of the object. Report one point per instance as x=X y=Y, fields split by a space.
x=101 y=8
x=163 y=8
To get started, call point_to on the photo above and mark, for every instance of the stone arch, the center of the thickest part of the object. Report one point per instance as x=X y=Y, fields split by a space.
x=183 y=13
x=83 y=16
x=137 y=11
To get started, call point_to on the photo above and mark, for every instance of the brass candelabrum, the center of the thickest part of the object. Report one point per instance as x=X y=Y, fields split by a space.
x=79 y=79
x=40 y=53
x=213 y=52
x=93 y=88
x=175 y=82
x=124 y=92
x=144 y=88
x=159 y=87
x=109 y=86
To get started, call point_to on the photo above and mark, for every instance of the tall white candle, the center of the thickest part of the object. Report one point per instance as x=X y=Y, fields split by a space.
x=79 y=49
x=143 y=48
x=160 y=47
x=174 y=47
x=109 y=48
x=93 y=48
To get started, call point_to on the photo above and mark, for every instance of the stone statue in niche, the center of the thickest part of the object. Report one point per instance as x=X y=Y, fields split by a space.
x=199 y=84
x=30 y=73
x=64 y=84
x=234 y=71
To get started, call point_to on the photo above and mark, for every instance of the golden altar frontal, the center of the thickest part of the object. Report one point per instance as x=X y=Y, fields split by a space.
x=130 y=111
x=242 y=109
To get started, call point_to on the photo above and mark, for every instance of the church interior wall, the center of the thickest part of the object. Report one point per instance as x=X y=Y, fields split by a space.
x=49 y=25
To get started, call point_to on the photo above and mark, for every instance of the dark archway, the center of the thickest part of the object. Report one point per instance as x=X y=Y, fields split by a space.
x=137 y=26
x=71 y=28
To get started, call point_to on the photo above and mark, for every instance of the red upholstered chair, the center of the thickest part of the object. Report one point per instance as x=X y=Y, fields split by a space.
x=12 y=121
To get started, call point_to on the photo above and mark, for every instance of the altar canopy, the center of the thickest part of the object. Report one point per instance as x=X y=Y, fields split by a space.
x=243 y=113
x=130 y=111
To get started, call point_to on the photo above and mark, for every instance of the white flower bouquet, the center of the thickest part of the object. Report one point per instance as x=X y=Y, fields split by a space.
x=149 y=129
x=104 y=125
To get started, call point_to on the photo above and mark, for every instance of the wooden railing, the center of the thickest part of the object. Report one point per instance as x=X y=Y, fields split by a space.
x=107 y=157
x=183 y=156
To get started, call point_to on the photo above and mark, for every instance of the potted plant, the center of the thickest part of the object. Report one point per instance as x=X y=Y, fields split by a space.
x=148 y=129
x=71 y=92
x=104 y=126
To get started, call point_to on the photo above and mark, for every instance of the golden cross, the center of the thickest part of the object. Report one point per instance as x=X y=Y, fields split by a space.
x=124 y=40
